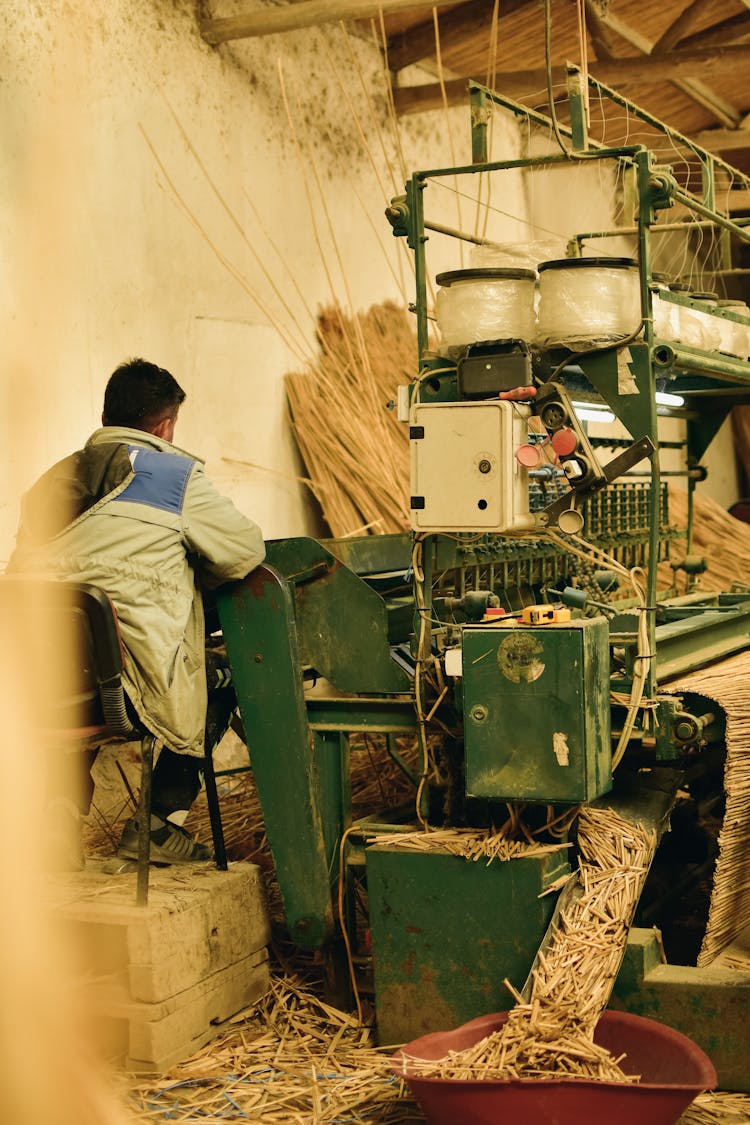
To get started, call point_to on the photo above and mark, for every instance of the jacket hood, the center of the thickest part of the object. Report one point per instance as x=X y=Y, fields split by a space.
x=72 y=486
x=108 y=434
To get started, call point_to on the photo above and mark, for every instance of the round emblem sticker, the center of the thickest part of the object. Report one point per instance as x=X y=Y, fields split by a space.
x=518 y=658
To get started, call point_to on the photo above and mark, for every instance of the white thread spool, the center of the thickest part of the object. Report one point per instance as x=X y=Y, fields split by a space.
x=665 y=313
x=485 y=304
x=588 y=300
x=735 y=337
x=710 y=324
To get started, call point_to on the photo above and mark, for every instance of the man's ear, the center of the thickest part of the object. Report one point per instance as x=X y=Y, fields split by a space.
x=164 y=429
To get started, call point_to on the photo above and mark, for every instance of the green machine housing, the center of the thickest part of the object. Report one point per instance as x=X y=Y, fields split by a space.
x=537 y=711
x=336 y=640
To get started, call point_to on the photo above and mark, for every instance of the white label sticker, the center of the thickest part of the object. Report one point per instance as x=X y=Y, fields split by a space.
x=561 y=748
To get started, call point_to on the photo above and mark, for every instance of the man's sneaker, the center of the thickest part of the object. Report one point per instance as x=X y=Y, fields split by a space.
x=169 y=843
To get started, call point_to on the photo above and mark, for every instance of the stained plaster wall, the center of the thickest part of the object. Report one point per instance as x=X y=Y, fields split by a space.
x=155 y=202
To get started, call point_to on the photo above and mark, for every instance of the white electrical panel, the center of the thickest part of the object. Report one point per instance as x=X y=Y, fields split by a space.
x=464 y=472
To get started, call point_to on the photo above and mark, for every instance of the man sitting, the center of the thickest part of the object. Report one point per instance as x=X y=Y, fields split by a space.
x=136 y=516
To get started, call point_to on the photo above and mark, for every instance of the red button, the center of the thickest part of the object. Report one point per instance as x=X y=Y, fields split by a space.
x=564 y=442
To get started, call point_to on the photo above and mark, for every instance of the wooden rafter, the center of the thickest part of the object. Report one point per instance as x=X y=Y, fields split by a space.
x=720 y=34
x=724 y=140
x=600 y=33
x=456 y=26
x=696 y=90
x=307 y=13
x=678 y=28
x=613 y=72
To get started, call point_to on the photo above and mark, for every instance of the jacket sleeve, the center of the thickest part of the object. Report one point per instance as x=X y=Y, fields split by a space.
x=227 y=544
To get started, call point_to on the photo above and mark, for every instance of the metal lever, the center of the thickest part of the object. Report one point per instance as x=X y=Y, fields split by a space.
x=613 y=469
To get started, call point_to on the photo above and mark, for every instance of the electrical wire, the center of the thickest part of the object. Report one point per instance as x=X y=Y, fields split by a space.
x=342 y=920
x=417 y=565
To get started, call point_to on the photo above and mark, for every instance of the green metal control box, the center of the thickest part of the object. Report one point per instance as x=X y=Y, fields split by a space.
x=537 y=711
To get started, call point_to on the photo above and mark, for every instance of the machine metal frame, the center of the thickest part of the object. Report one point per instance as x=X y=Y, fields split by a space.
x=364 y=618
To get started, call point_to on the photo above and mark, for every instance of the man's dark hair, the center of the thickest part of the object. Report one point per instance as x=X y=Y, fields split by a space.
x=139 y=394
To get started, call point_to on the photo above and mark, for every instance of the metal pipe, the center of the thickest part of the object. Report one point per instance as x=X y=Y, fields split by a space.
x=665 y=355
x=656 y=228
x=693 y=474
x=456 y=233
x=701 y=209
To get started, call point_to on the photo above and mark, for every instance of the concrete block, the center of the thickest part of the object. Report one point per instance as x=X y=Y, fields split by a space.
x=151 y=1038
x=159 y=981
x=198 y=920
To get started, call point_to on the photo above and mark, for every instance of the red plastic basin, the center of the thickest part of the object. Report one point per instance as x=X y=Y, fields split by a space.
x=673 y=1071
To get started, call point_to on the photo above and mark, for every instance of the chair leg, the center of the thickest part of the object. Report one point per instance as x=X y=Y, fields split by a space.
x=214 y=811
x=144 y=819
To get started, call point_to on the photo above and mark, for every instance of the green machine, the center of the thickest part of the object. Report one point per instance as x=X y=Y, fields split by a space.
x=520 y=635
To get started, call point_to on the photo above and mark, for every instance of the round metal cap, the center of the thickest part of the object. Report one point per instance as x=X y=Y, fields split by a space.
x=487 y=274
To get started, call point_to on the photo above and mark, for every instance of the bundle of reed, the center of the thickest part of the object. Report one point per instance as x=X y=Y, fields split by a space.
x=293 y=1058
x=552 y=1034
x=470 y=843
x=723 y=541
x=354 y=448
x=729 y=908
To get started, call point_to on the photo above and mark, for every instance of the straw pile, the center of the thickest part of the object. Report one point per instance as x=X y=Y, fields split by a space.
x=354 y=448
x=470 y=843
x=723 y=541
x=718 y=1109
x=552 y=1035
x=729 y=910
x=295 y=1059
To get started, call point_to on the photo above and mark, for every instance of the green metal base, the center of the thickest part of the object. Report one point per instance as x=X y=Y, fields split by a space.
x=709 y=1005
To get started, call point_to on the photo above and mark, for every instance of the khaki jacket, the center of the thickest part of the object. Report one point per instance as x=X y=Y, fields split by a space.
x=137 y=516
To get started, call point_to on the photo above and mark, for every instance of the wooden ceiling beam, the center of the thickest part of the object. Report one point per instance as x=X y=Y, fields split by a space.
x=678 y=28
x=409 y=47
x=306 y=13
x=697 y=91
x=722 y=110
x=600 y=32
x=723 y=140
x=429 y=95
x=720 y=34
x=613 y=72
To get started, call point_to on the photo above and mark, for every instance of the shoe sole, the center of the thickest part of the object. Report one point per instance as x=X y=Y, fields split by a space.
x=158 y=856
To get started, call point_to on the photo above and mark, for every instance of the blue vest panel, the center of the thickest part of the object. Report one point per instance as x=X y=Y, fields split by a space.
x=160 y=479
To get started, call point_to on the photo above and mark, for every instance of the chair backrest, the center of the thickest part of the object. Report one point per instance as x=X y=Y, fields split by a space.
x=67 y=634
